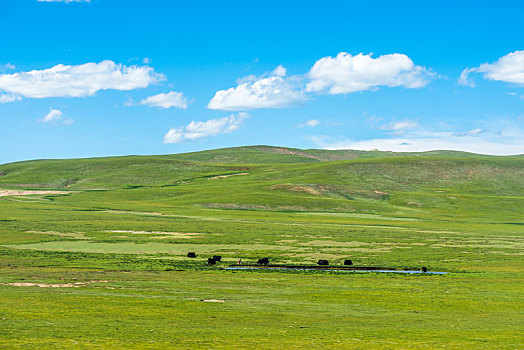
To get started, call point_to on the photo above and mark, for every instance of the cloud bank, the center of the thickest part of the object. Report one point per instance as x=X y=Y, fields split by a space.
x=78 y=80
x=506 y=141
x=197 y=129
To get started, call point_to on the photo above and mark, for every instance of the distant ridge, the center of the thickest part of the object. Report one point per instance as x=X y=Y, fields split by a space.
x=271 y=165
x=273 y=154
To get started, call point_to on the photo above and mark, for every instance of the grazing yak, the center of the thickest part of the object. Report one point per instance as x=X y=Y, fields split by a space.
x=263 y=261
x=217 y=257
x=424 y=269
x=211 y=261
x=323 y=262
x=191 y=255
x=348 y=262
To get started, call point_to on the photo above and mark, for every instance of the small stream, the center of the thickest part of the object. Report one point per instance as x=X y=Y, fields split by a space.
x=332 y=269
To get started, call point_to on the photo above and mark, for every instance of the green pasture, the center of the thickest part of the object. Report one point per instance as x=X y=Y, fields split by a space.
x=103 y=263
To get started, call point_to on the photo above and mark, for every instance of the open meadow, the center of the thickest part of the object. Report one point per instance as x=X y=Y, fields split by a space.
x=93 y=252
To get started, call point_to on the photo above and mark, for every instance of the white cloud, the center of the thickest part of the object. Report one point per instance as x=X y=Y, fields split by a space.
x=346 y=73
x=78 y=81
x=147 y=60
x=311 y=123
x=164 y=100
x=66 y=1
x=508 y=68
x=399 y=127
x=464 y=78
x=197 y=130
x=272 y=90
x=7 y=66
x=472 y=132
x=333 y=75
x=55 y=116
x=6 y=98
x=503 y=142
x=280 y=71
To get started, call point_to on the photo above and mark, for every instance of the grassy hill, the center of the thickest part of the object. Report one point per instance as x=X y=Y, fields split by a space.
x=270 y=154
x=111 y=236
x=428 y=183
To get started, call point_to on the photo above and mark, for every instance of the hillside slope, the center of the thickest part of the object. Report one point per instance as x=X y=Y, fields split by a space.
x=429 y=185
x=271 y=154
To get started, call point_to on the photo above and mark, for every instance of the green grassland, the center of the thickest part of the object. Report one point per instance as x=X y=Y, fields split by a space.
x=103 y=262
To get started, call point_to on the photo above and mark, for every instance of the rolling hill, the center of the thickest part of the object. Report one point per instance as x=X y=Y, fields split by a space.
x=79 y=237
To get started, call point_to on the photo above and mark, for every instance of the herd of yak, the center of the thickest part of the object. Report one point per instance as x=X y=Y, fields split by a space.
x=262 y=261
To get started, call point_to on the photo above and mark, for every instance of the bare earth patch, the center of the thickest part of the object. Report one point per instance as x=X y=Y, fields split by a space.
x=75 y=235
x=380 y=192
x=157 y=233
x=44 y=285
x=214 y=301
x=5 y=193
x=297 y=188
x=225 y=176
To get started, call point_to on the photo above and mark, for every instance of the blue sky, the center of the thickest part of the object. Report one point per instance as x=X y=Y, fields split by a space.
x=109 y=77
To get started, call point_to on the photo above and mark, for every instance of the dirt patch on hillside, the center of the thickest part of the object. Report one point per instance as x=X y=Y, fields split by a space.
x=226 y=176
x=75 y=235
x=157 y=233
x=5 y=193
x=45 y=285
x=299 y=188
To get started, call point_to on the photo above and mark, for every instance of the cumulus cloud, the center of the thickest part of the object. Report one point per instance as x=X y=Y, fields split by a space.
x=197 y=129
x=78 y=80
x=164 y=100
x=55 y=116
x=346 y=73
x=311 y=123
x=508 y=68
x=332 y=75
x=272 y=90
x=6 y=98
x=501 y=142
